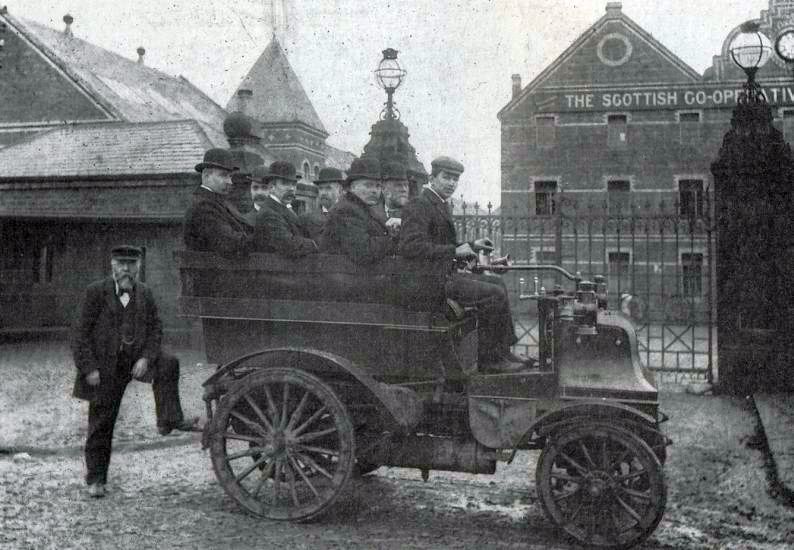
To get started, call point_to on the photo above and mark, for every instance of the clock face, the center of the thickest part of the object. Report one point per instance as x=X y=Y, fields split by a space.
x=784 y=45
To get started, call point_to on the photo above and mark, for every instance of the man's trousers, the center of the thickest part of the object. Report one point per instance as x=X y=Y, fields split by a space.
x=488 y=294
x=103 y=411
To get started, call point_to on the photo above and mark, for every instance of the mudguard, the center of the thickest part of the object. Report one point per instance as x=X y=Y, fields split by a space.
x=517 y=420
x=403 y=407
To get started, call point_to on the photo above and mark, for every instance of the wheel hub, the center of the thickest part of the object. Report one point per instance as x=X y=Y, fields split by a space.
x=598 y=483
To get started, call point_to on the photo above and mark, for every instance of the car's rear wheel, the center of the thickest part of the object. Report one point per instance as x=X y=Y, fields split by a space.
x=282 y=444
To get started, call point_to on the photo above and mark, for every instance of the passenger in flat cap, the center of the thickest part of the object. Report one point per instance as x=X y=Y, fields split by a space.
x=212 y=223
x=259 y=191
x=356 y=226
x=428 y=232
x=117 y=339
x=329 y=188
x=276 y=226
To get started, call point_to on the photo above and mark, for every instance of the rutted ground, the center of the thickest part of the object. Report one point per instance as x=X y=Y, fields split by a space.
x=168 y=497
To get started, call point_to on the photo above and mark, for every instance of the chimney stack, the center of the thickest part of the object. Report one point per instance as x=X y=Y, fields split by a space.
x=244 y=96
x=516 y=85
x=141 y=52
x=614 y=9
x=68 y=19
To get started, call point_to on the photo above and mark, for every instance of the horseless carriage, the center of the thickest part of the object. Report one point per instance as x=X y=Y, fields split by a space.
x=330 y=369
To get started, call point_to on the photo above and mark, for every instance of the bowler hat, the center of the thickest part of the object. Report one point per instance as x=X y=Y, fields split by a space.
x=329 y=175
x=281 y=169
x=259 y=174
x=363 y=169
x=394 y=170
x=217 y=158
x=126 y=252
x=447 y=164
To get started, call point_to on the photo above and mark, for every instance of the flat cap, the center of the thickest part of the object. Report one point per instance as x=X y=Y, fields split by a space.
x=448 y=164
x=126 y=252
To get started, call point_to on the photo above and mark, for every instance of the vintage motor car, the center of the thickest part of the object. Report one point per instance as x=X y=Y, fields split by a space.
x=328 y=369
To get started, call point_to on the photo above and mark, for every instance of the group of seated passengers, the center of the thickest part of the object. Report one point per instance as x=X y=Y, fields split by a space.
x=359 y=225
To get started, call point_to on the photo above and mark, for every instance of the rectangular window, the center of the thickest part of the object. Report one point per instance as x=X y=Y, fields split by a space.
x=692 y=274
x=547 y=131
x=619 y=275
x=689 y=127
x=690 y=198
x=617 y=128
x=619 y=197
x=546 y=257
x=619 y=263
x=544 y=197
x=788 y=124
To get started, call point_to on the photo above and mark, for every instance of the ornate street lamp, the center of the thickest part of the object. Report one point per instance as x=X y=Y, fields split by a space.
x=750 y=50
x=390 y=75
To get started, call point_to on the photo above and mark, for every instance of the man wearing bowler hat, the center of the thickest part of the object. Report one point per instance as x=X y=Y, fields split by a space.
x=329 y=187
x=276 y=227
x=428 y=232
x=212 y=223
x=395 y=190
x=117 y=339
x=356 y=226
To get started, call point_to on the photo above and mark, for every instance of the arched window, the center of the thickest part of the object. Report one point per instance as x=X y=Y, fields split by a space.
x=307 y=173
x=316 y=171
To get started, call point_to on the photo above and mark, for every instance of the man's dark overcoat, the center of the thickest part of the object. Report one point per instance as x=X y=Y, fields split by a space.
x=427 y=229
x=313 y=223
x=278 y=229
x=428 y=232
x=95 y=344
x=213 y=224
x=355 y=230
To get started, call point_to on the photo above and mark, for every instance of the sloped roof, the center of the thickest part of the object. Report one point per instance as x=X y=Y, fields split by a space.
x=107 y=148
x=278 y=95
x=131 y=91
x=338 y=158
x=614 y=15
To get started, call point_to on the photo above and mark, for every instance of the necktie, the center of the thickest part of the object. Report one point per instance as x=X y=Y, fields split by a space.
x=124 y=296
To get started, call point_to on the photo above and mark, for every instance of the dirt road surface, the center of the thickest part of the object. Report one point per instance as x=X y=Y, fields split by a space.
x=168 y=497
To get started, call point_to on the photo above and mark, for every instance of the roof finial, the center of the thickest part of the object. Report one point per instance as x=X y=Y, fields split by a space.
x=141 y=52
x=68 y=19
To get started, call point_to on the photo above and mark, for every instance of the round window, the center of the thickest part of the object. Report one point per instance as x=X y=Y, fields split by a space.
x=614 y=49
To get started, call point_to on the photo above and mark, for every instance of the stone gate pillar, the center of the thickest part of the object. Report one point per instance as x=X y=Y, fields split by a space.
x=753 y=180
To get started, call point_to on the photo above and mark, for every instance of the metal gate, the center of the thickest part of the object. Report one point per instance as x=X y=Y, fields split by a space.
x=659 y=250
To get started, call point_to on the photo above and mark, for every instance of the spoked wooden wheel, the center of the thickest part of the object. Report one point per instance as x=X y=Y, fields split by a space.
x=282 y=444
x=602 y=485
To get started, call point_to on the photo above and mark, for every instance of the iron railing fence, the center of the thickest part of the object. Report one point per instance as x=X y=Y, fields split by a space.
x=659 y=250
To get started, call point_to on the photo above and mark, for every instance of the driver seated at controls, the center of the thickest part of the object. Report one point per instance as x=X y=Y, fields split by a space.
x=428 y=232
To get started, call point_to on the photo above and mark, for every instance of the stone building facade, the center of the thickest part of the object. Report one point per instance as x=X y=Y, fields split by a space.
x=618 y=127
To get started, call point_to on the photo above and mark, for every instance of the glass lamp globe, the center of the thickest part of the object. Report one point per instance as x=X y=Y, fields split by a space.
x=389 y=73
x=751 y=48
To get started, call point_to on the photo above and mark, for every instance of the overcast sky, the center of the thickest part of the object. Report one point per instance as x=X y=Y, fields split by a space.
x=459 y=54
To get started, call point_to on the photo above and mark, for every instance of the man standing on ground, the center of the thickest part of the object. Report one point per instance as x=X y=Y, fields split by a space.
x=329 y=187
x=428 y=232
x=212 y=223
x=277 y=228
x=117 y=339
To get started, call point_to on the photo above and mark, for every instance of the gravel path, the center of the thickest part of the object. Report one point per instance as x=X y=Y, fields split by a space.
x=169 y=498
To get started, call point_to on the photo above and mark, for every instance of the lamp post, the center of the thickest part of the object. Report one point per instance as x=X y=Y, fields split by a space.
x=389 y=136
x=750 y=50
x=390 y=75
x=752 y=209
